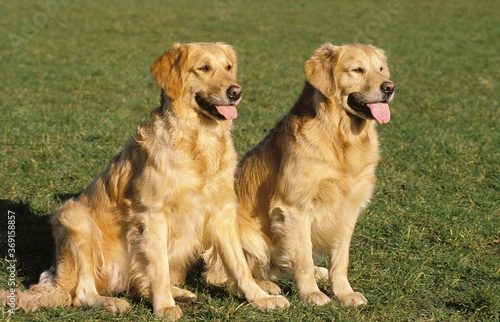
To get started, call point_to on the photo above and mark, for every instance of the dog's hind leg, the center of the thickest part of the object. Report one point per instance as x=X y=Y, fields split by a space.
x=183 y=295
x=320 y=273
x=78 y=252
x=178 y=275
x=273 y=288
x=269 y=286
x=42 y=295
x=293 y=247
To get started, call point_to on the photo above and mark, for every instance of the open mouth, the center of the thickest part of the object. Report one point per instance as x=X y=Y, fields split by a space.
x=223 y=112
x=374 y=110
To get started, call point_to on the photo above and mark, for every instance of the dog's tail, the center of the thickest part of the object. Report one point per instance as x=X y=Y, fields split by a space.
x=45 y=294
x=257 y=248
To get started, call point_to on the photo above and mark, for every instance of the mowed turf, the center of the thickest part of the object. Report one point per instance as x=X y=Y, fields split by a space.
x=75 y=82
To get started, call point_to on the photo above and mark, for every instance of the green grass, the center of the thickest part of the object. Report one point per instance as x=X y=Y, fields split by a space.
x=75 y=83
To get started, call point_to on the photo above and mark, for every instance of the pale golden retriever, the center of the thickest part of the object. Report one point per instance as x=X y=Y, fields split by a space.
x=302 y=188
x=163 y=202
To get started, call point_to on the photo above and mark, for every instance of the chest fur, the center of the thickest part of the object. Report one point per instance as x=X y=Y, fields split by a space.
x=333 y=171
x=178 y=164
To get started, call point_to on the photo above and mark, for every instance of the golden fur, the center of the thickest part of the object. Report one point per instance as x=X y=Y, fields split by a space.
x=161 y=203
x=302 y=188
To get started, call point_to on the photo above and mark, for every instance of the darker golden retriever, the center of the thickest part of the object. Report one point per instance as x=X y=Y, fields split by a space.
x=302 y=187
x=161 y=203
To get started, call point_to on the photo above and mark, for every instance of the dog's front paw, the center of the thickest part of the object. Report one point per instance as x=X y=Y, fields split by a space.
x=316 y=298
x=352 y=299
x=170 y=313
x=271 y=303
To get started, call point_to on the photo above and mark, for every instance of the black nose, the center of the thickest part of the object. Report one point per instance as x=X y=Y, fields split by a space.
x=387 y=87
x=234 y=92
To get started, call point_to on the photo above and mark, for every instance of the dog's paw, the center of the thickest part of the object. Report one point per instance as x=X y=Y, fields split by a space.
x=182 y=295
x=316 y=298
x=271 y=303
x=269 y=287
x=170 y=313
x=352 y=299
x=115 y=305
x=320 y=273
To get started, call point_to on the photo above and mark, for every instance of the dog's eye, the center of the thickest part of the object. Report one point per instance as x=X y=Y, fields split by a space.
x=204 y=68
x=358 y=70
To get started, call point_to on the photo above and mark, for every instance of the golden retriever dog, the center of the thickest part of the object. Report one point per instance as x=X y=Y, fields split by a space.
x=163 y=202
x=302 y=188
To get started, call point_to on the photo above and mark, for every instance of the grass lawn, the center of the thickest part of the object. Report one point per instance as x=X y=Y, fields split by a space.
x=75 y=82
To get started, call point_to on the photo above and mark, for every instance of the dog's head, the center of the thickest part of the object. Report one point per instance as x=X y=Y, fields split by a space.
x=356 y=76
x=204 y=74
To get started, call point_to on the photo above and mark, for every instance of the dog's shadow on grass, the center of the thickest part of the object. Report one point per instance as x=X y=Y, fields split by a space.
x=31 y=238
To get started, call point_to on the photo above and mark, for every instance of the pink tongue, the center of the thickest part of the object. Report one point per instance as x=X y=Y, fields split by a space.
x=380 y=112
x=228 y=111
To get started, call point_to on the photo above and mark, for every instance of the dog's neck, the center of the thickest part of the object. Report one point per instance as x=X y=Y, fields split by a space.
x=165 y=101
x=313 y=104
x=307 y=105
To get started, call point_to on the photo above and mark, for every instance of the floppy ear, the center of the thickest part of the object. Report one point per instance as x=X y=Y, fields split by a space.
x=167 y=70
x=231 y=55
x=380 y=53
x=319 y=69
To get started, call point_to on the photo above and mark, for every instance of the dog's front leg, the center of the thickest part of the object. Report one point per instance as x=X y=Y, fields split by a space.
x=292 y=234
x=339 y=262
x=155 y=250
